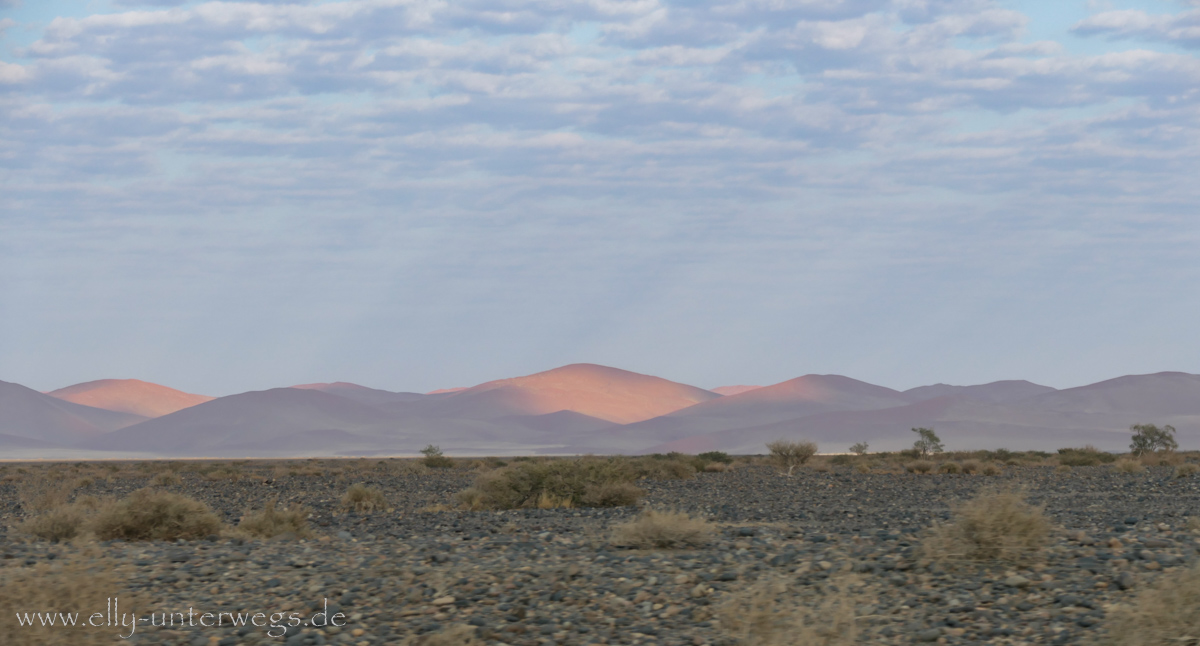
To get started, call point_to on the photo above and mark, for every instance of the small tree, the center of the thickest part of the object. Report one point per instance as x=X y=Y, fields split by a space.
x=1148 y=438
x=791 y=454
x=859 y=448
x=434 y=458
x=927 y=442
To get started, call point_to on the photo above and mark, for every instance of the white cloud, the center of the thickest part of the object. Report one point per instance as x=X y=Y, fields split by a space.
x=1181 y=29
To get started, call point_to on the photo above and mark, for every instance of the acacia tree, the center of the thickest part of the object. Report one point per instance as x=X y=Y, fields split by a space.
x=791 y=454
x=1148 y=438
x=927 y=442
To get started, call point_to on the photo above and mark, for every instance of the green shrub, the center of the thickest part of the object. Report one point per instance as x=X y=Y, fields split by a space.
x=434 y=458
x=670 y=467
x=584 y=482
x=153 y=515
x=1148 y=438
x=949 y=467
x=859 y=448
x=716 y=456
x=1087 y=456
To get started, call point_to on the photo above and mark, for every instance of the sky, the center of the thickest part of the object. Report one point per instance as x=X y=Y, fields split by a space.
x=420 y=194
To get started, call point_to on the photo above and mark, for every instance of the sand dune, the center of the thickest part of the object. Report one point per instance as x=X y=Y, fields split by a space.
x=997 y=391
x=372 y=396
x=129 y=396
x=733 y=390
x=605 y=393
x=26 y=413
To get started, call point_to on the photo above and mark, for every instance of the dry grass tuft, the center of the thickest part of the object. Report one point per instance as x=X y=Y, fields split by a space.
x=78 y=584
x=950 y=467
x=970 y=466
x=1128 y=466
x=166 y=478
x=61 y=524
x=663 y=529
x=994 y=525
x=457 y=635
x=716 y=467
x=1166 y=613
x=1186 y=469
x=151 y=515
x=771 y=614
x=920 y=466
x=273 y=521
x=44 y=494
x=990 y=469
x=363 y=499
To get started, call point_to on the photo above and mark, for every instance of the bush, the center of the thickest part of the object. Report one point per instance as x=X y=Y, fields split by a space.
x=716 y=467
x=920 y=466
x=859 y=449
x=990 y=469
x=1185 y=470
x=994 y=525
x=166 y=478
x=970 y=466
x=790 y=455
x=585 y=482
x=664 y=467
x=363 y=499
x=663 y=529
x=272 y=521
x=1166 y=613
x=716 y=456
x=434 y=458
x=1128 y=466
x=1148 y=438
x=949 y=467
x=151 y=515
x=61 y=524
x=1087 y=456
x=44 y=494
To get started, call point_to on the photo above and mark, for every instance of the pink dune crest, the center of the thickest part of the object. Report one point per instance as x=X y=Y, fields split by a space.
x=598 y=391
x=129 y=396
x=733 y=390
x=442 y=391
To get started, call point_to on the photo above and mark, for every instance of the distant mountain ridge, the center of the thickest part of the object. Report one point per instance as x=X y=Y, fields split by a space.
x=588 y=408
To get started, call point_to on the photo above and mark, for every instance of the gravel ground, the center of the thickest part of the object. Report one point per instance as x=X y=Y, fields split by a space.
x=553 y=577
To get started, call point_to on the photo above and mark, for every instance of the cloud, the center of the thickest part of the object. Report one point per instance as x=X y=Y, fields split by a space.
x=1181 y=29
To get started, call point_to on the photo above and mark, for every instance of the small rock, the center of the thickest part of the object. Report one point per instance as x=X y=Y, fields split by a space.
x=1016 y=581
x=443 y=601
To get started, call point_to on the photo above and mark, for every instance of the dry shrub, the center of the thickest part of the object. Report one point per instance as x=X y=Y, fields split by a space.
x=920 y=466
x=1186 y=469
x=970 y=466
x=716 y=467
x=1062 y=468
x=949 y=467
x=274 y=521
x=1166 y=613
x=166 y=478
x=457 y=635
x=773 y=613
x=789 y=455
x=584 y=482
x=990 y=469
x=669 y=467
x=77 y=583
x=1128 y=466
x=363 y=499
x=994 y=525
x=862 y=466
x=44 y=494
x=60 y=524
x=218 y=473
x=1161 y=459
x=663 y=529
x=151 y=515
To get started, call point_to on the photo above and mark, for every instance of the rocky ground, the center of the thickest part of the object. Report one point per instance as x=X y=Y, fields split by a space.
x=554 y=577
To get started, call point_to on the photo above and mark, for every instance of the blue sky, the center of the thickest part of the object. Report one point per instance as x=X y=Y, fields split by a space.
x=411 y=194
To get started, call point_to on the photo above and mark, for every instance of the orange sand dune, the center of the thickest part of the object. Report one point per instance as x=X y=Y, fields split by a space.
x=129 y=396
x=442 y=391
x=598 y=391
